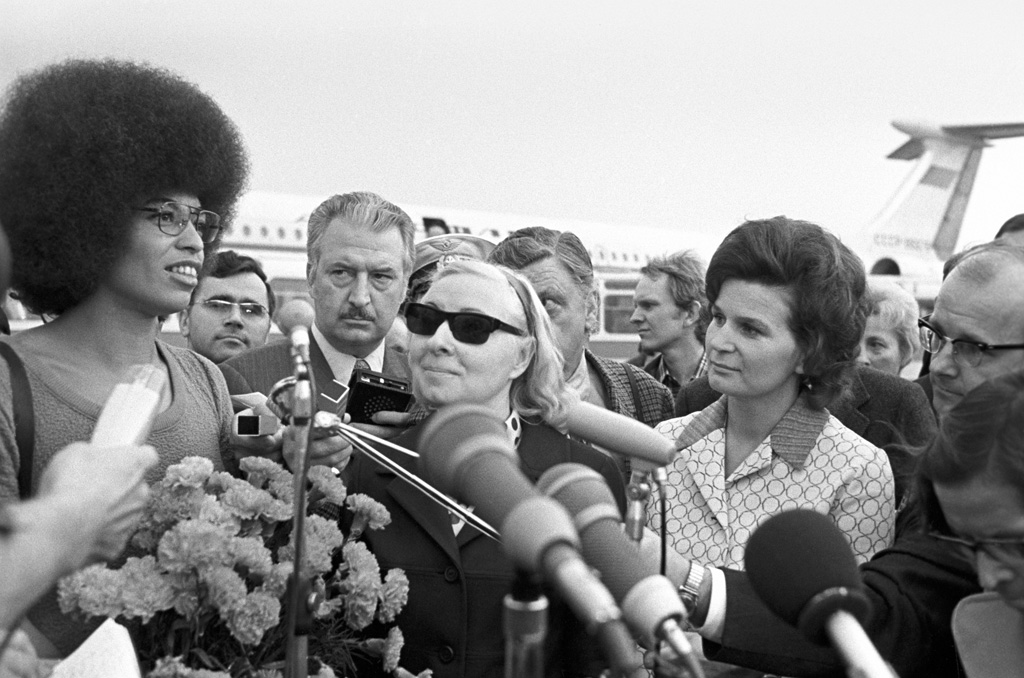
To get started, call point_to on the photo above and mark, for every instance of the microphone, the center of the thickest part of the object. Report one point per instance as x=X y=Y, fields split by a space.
x=525 y=620
x=801 y=566
x=293 y=313
x=299 y=338
x=648 y=450
x=623 y=435
x=650 y=602
x=466 y=452
x=128 y=414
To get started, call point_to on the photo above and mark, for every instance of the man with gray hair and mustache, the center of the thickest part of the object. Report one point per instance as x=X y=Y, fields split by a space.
x=360 y=253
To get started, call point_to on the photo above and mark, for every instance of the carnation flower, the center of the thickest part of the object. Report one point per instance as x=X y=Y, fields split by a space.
x=362 y=584
x=168 y=504
x=254 y=616
x=144 y=590
x=224 y=588
x=322 y=539
x=194 y=545
x=260 y=470
x=368 y=513
x=213 y=512
x=276 y=582
x=246 y=501
x=172 y=667
x=94 y=590
x=189 y=472
x=393 y=595
x=399 y=672
x=328 y=484
x=393 y=649
x=251 y=555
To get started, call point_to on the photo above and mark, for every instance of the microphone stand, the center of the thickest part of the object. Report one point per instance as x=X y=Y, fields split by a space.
x=638 y=492
x=525 y=620
x=299 y=617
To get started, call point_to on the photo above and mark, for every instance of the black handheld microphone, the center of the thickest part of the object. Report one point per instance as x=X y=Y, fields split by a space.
x=801 y=566
x=466 y=452
x=649 y=601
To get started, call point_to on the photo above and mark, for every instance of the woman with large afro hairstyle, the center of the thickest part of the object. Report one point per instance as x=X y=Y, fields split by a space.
x=105 y=168
x=786 y=312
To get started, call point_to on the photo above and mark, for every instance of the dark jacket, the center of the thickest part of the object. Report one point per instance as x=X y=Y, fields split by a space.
x=654 y=402
x=913 y=587
x=452 y=621
x=259 y=369
x=888 y=411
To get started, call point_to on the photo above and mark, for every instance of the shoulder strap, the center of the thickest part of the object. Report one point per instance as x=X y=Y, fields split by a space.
x=24 y=418
x=636 y=391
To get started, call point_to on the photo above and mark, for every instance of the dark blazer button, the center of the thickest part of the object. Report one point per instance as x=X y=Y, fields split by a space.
x=446 y=655
x=451 y=574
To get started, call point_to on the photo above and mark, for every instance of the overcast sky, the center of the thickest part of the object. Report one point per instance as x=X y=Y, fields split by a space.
x=680 y=114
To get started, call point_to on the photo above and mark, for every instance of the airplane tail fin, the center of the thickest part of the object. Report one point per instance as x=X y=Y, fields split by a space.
x=924 y=217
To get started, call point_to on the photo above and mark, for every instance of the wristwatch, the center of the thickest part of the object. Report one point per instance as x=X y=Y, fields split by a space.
x=690 y=589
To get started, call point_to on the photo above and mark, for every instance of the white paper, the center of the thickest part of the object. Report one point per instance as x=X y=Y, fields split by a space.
x=107 y=653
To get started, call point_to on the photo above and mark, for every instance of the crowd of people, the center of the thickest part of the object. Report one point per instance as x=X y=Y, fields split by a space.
x=774 y=371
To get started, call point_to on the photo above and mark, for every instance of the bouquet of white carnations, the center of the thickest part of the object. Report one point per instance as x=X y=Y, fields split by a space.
x=202 y=592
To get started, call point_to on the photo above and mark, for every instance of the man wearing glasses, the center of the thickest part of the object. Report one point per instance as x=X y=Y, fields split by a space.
x=976 y=331
x=230 y=309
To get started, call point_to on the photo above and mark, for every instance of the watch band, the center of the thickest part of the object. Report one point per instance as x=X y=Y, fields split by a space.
x=690 y=589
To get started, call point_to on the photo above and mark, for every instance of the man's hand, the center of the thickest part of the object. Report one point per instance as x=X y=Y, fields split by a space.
x=20 y=660
x=268 y=446
x=325 y=449
x=387 y=424
x=93 y=498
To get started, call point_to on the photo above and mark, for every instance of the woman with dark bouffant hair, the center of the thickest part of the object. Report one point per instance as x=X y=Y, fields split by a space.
x=786 y=317
x=116 y=180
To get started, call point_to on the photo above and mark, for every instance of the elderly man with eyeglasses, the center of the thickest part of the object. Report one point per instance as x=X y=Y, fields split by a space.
x=230 y=309
x=976 y=331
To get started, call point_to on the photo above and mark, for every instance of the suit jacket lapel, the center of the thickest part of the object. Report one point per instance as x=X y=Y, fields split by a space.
x=322 y=373
x=433 y=519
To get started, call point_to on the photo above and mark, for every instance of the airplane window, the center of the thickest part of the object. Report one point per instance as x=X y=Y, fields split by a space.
x=246 y=231
x=264 y=231
x=617 y=310
x=298 y=234
x=280 y=233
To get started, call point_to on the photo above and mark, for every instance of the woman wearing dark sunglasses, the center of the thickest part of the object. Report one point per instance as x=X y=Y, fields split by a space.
x=114 y=181
x=479 y=335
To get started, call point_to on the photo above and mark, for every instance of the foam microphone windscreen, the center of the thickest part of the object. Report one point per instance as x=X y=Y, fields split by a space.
x=584 y=492
x=457 y=446
x=295 y=313
x=802 y=567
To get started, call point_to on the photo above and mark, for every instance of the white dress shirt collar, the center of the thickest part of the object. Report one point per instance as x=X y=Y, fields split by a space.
x=343 y=363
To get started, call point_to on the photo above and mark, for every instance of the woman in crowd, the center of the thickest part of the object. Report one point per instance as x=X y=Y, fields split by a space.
x=115 y=180
x=971 y=483
x=479 y=335
x=786 y=316
x=891 y=338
